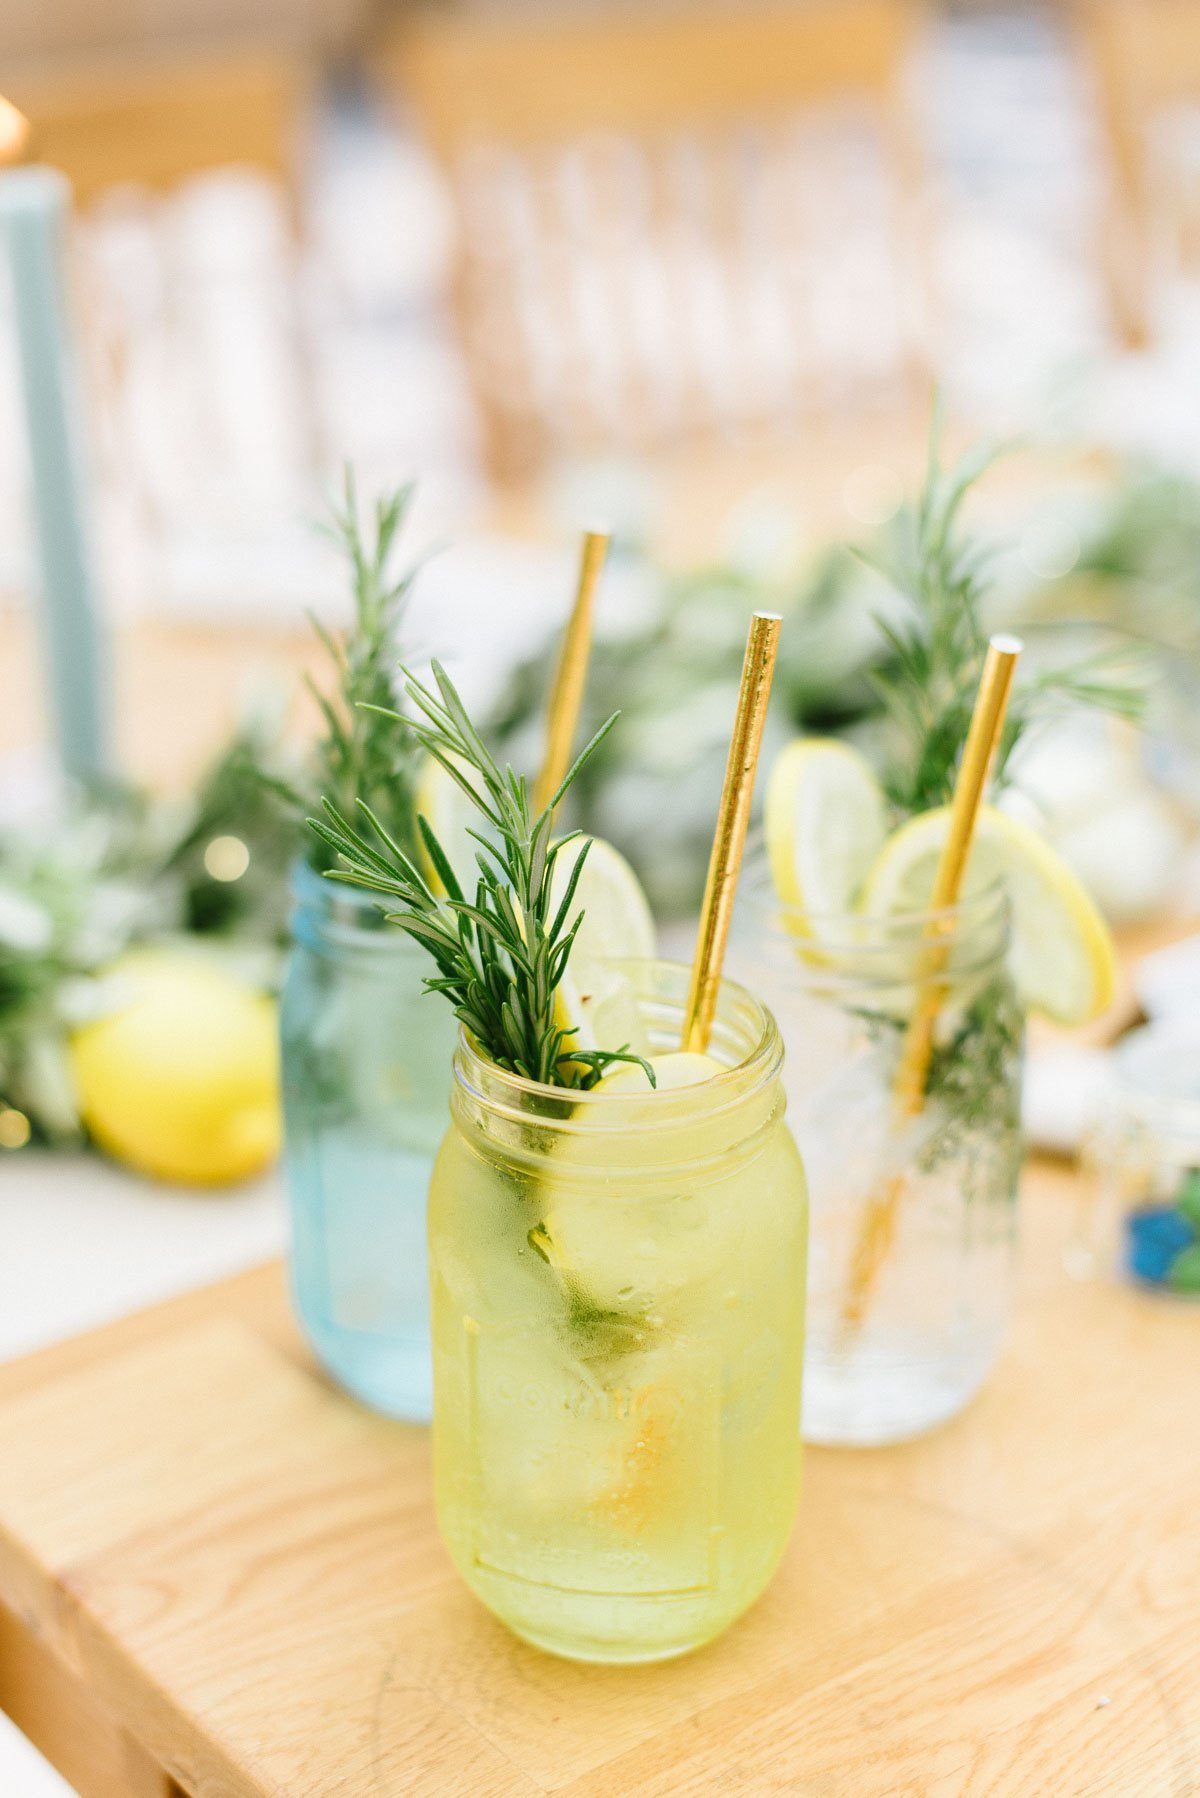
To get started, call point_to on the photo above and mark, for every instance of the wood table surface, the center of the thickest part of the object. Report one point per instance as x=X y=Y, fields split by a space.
x=221 y=1577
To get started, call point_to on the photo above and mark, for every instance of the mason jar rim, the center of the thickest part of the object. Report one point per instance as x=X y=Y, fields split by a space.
x=855 y=958
x=311 y=888
x=975 y=910
x=535 y=1101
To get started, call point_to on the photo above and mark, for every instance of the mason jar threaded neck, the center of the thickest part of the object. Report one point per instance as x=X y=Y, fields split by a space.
x=704 y=1120
x=839 y=954
x=333 y=917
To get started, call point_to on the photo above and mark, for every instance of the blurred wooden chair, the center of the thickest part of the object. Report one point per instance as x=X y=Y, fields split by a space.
x=641 y=196
x=185 y=262
x=156 y=120
x=1145 y=55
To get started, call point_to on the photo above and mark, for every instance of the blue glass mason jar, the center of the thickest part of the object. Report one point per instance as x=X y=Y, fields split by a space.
x=367 y=1057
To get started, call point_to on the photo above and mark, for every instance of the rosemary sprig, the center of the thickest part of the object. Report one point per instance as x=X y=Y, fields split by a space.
x=937 y=653
x=501 y=953
x=970 y=1079
x=366 y=751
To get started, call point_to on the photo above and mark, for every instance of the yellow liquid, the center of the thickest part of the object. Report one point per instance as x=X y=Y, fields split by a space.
x=616 y=1439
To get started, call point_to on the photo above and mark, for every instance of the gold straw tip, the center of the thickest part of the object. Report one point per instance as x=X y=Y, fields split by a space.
x=1005 y=644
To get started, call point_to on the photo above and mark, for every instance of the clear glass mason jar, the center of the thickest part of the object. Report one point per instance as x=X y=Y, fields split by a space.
x=906 y=1348
x=618 y=1285
x=1142 y=1214
x=366 y=1057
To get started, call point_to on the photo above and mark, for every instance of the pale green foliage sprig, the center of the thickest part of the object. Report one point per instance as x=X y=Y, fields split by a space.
x=107 y=870
x=928 y=689
x=500 y=953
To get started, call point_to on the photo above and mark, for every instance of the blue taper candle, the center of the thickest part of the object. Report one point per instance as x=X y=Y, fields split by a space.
x=35 y=206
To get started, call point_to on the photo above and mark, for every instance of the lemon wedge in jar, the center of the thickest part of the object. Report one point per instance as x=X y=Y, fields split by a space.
x=1062 y=957
x=595 y=998
x=618 y=1249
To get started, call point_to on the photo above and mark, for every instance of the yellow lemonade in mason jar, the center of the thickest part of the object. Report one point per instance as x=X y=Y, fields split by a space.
x=617 y=1291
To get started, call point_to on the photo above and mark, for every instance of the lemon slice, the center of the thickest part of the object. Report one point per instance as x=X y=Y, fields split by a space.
x=1062 y=955
x=598 y=1234
x=451 y=817
x=595 y=998
x=683 y=1067
x=825 y=821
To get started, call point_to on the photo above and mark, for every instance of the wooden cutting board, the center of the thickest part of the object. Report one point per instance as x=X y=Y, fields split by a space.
x=219 y=1577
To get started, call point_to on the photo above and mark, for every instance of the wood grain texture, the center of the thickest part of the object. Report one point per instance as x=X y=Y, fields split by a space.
x=242 y=1569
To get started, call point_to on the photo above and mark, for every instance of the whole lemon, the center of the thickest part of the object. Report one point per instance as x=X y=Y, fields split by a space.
x=180 y=1075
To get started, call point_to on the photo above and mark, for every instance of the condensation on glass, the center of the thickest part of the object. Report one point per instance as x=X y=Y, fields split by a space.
x=617 y=1282
x=931 y=1321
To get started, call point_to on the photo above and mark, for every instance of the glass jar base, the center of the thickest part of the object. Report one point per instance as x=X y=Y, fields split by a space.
x=607 y=1656
x=394 y=1378
x=632 y=1647
x=853 y=1402
x=618 y=1630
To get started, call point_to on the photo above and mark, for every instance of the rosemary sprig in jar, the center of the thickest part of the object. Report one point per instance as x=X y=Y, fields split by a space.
x=500 y=953
x=360 y=754
x=926 y=689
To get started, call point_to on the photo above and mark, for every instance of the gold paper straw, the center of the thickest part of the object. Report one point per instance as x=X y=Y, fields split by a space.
x=983 y=738
x=979 y=751
x=732 y=820
x=566 y=695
